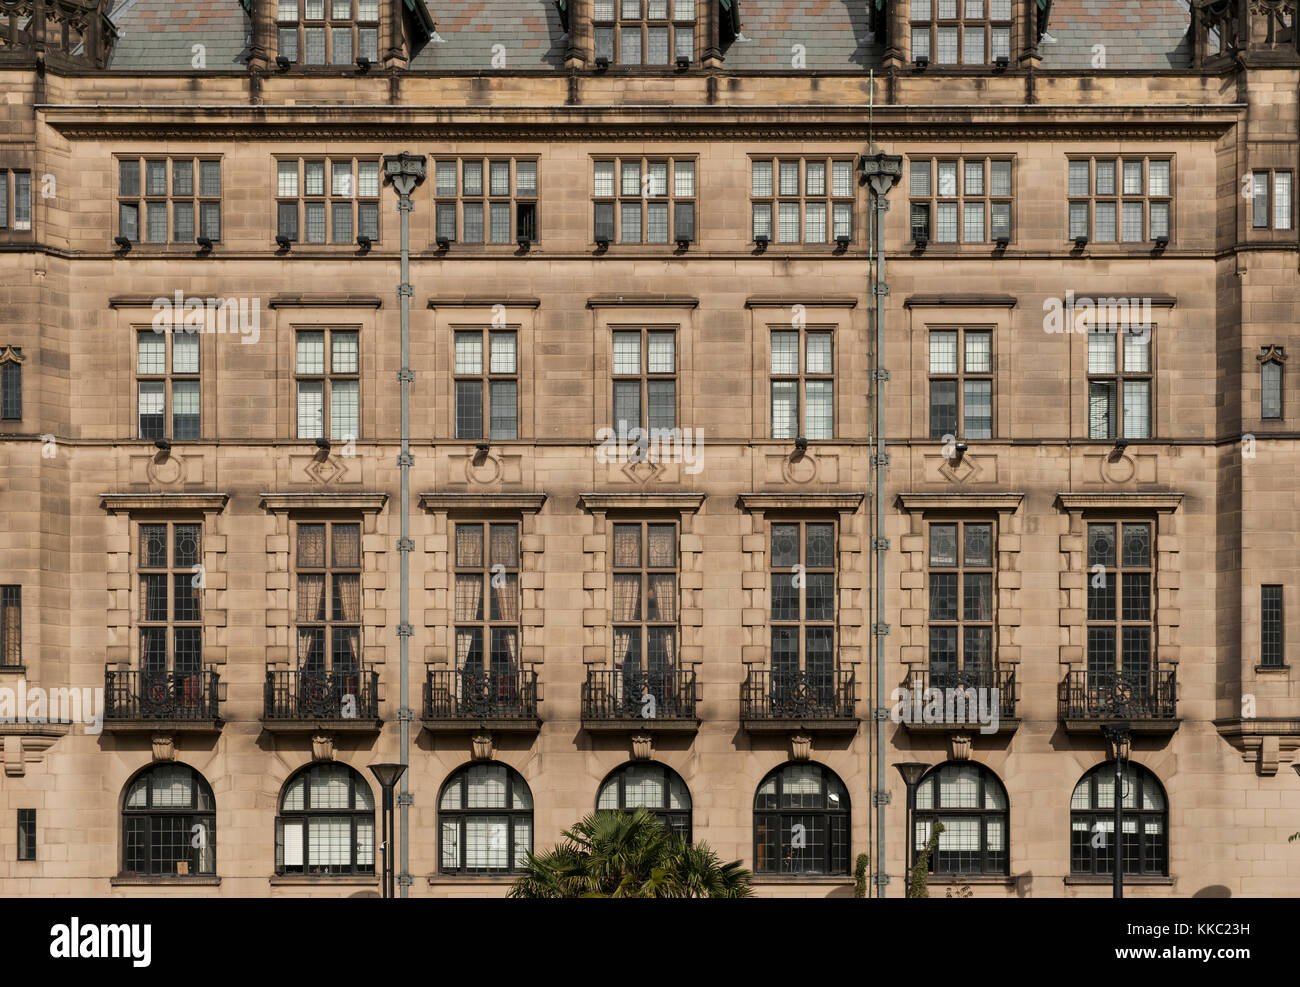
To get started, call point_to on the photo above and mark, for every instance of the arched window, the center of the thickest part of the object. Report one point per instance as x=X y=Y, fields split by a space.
x=651 y=786
x=485 y=821
x=972 y=805
x=1145 y=822
x=326 y=823
x=169 y=823
x=801 y=822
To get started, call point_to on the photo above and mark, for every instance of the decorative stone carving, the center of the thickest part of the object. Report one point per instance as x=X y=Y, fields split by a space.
x=800 y=747
x=481 y=747
x=164 y=747
x=322 y=747
x=961 y=744
x=642 y=747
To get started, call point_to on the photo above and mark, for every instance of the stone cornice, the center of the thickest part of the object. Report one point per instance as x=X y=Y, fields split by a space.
x=643 y=300
x=114 y=502
x=960 y=501
x=967 y=300
x=470 y=502
x=641 y=501
x=837 y=123
x=801 y=502
x=483 y=301
x=327 y=300
x=789 y=301
x=372 y=502
x=1119 y=501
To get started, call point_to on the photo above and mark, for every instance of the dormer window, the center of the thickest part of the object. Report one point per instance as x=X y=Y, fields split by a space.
x=328 y=32
x=644 y=32
x=961 y=32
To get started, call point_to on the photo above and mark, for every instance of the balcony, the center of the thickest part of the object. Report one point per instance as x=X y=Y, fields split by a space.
x=776 y=701
x=301 y=701
x=973 y=700
x=174 y=702
x=625 y=698
x=1147 y=699
x=472 y=698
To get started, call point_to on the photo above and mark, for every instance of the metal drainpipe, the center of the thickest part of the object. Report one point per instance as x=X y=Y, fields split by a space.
x=406 y=172
x=883 y=172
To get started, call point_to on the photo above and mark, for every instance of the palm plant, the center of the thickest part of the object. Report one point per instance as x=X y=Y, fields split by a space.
x=628 y=855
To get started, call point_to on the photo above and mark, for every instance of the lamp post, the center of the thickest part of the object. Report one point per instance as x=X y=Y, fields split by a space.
x=912 y=772
x=405 y=172
x=1118 y=734
x=882 y=172
x=387 y=774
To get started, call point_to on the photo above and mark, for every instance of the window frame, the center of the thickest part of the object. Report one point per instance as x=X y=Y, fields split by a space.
x=987 y=865
x=1272 y=357
x=190 y=816
x=986 y=199
x=1118 y=377
x=1119 y=198
x=1272 y=626
x=1150 y=864
x=10 y=199
x=801 y=378
x=619 y=200
x=327 y=378
x=328 y=199
x=960 y=622
x=329 y=661
x=802 y=198
x=678 y=822
x=169 y=378
x=300 y=23
x=485 y=377
x=803 y=622
x=959 y=378
x=514 y=200
x=11 y=602
x=643 y=623
x=172 y=573
x=169 y=199
x=1116 y=576
x=11 y=382
x=677 y=28
x=1270 y=176
x=962 y=24
x=486 y=625
x=515 y=783
x=832 y=865
x=26 y=835
x=643 y=378
x=304 y=816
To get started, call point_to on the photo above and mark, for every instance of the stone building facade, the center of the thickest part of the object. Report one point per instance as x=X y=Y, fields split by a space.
x=650 y=212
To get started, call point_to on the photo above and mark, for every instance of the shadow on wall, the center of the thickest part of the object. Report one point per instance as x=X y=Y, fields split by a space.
x=1024 y=884
x=1213 y=891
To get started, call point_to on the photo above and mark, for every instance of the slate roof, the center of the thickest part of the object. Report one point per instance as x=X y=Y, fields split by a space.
x=529 y=30
x=1137 y=34
x=159 y=35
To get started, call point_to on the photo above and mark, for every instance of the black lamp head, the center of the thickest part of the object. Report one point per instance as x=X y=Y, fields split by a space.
x=363 y=65
x=1002 y=242
x=602 y=62
x=205 y=243
x=282 y=63
x=843 y=240
x=1080 y=242
x=1162 y=242
x=122 y=242
x=921 y=62
x=683 y=61
x=801 y=444
x=921 y=241
x=761 y=241
x=162 y=445
x=323 y=444
x=683 y=242
x=444 y=242
x=524 y=242
x=364 y=242
x=282 y=241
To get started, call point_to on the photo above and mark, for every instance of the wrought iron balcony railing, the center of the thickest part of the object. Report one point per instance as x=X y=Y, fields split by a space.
x=478 y=694
x=160 y=695
x=336 y=694
x=628 y=693
x=798 y=695
x=1131 y=694
x=992 y=689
